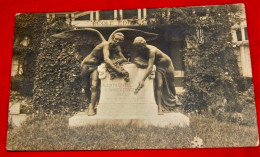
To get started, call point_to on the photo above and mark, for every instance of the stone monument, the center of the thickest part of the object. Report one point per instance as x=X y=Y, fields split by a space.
x=121 y=101
x=119 y=105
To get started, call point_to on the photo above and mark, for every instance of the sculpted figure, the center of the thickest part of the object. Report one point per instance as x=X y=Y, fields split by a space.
x=105 y=51
x=101 y=53
x=148 y=55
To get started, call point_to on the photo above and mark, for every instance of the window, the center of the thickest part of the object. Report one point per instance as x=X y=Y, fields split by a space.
x=16 y=67
x=239 y=35
x=130 y=14
x=106 y=15
x=84 y=17
x=246 y=35
x=61 y=16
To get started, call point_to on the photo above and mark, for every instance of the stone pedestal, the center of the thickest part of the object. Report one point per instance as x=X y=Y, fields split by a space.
x=117 y=98
x=119 y=105
x=16 y=120
x=14 y=117
x=14 y=108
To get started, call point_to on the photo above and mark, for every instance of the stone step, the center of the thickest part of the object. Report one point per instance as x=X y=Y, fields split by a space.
x=166 y=120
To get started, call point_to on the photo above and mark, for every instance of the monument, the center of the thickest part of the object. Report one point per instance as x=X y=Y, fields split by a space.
x=119 y=105
x=125 y=93
x=107 y=51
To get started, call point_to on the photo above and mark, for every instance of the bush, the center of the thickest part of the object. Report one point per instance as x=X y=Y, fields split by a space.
x=243 y=112
x=57 y=86
x=210 y=61
x=209 y=57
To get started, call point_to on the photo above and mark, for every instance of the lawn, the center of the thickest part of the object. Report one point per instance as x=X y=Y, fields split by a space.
x=53 y=133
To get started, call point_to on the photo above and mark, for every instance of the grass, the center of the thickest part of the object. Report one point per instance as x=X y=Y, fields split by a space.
x=223 y=134
x=53 y=133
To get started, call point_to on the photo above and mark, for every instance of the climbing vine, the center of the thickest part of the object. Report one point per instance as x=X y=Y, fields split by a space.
x=210 y=61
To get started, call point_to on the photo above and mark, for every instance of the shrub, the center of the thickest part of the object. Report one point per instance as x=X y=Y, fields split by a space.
x=243 y=112
x=210 y=61
x=57 y=84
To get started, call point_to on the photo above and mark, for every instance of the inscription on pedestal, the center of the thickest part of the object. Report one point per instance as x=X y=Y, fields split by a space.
x=119 y=91
x=124 y=93
x=117 y=96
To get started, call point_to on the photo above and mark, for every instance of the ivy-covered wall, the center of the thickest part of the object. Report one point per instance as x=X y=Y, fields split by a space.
x=28 y=26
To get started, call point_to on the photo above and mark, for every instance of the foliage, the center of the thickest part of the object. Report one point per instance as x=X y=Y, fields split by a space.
x=31 y=26
x=210 y=62
x=211 y=67
x=51 y=132
x=57 y=84
x=243 y=112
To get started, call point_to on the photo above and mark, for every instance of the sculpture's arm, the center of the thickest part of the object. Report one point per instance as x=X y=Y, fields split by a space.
x=150 y=66
x=147 y=71
x=122 y=57
x=107 y=59
x=141 y=63
x=90 y=60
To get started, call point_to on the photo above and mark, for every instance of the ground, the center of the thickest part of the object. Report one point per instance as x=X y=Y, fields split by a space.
x=52 y=133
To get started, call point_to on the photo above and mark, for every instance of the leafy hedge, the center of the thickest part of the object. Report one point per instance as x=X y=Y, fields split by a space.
x=211 y=68
x=243 y=112
x=57 y=87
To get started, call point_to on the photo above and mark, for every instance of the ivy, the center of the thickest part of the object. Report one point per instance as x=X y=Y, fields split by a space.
x=210 y=62
x=31 y=26
x=57 y=86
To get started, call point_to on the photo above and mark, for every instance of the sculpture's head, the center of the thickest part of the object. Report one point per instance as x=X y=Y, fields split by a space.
x=117 y=38
x=139 y=43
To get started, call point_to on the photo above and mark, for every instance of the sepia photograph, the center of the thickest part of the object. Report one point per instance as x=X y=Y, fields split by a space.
x=145 y=78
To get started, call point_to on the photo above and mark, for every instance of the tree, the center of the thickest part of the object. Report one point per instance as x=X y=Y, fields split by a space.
x=210 y=62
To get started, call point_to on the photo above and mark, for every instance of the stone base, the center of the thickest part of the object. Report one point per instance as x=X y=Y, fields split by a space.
x=16 y=119
x=166 y=120
x=14 y=108
x=118 y=105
